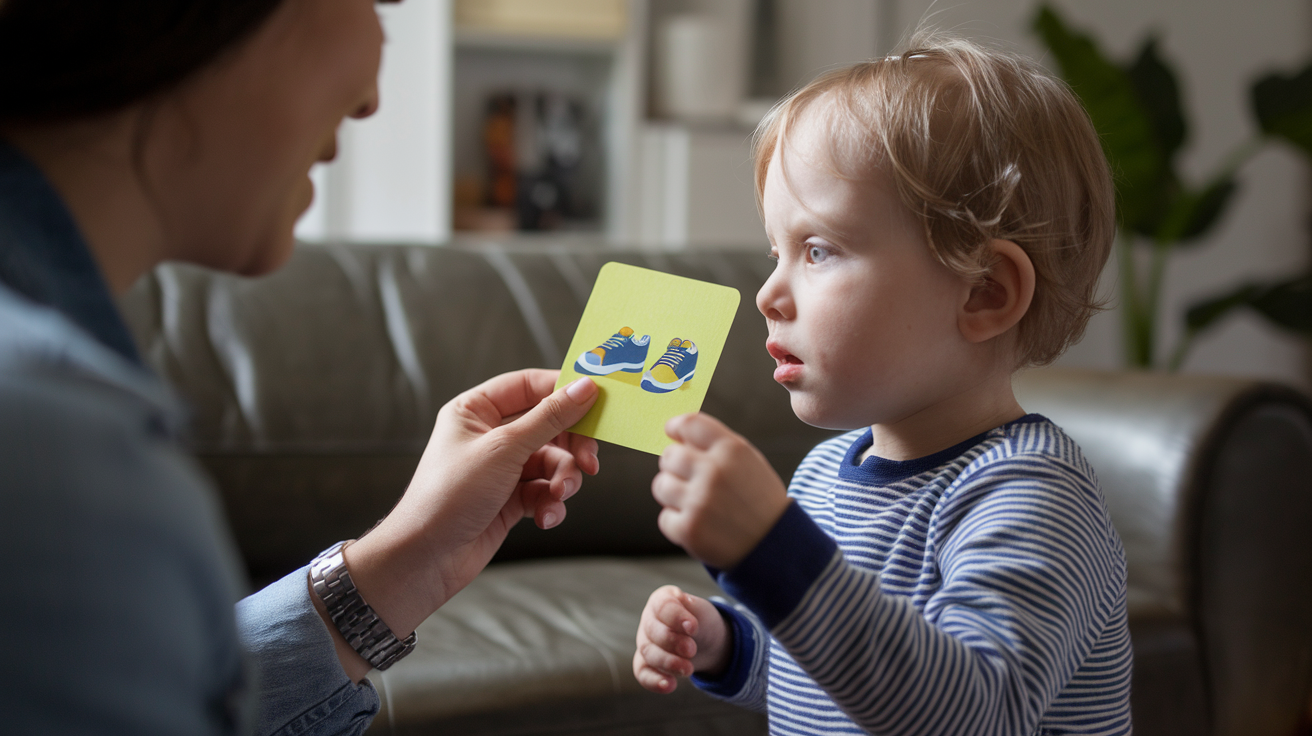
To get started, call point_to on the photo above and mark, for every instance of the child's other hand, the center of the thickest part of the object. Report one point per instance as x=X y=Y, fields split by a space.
x=679 y=634
x=720 y=495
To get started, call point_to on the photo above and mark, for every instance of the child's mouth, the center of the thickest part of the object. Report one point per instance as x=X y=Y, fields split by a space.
x=787 y=366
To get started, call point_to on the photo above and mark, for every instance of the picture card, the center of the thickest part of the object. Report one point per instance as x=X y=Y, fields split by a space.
x=650 y=341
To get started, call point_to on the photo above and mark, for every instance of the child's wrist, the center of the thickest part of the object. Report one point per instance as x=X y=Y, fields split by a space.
x=766 y=517
x=721 y=649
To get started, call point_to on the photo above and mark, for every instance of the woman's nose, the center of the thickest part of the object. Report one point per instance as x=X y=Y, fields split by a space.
x=368 y=106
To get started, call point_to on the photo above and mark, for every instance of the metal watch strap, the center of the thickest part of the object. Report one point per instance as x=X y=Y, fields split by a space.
x=359 y=624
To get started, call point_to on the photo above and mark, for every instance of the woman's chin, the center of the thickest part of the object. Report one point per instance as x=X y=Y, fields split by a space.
x=269 y=256
x=307 y=193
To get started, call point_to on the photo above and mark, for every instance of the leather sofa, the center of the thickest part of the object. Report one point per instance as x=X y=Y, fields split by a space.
x=314 y=390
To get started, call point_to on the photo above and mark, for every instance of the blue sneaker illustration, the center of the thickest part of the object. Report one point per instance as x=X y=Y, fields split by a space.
x=624 y=351
x=675 y=368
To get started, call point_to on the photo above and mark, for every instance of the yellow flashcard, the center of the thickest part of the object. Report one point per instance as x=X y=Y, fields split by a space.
x=650 y=341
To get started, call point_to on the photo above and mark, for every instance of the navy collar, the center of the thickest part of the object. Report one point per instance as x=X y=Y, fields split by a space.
x=44 y=258
x=882 y=471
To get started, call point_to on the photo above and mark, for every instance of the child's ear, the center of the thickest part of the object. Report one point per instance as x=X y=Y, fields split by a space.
x=997 y=303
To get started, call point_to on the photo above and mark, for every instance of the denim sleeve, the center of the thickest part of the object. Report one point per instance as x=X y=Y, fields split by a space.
x=302 y=687
x=119 y=573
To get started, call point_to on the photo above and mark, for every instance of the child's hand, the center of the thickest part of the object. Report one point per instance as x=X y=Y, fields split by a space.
x=679 y=634
x=720 y=494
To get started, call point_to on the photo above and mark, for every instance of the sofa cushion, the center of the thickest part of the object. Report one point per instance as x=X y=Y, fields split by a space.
x=529 y=638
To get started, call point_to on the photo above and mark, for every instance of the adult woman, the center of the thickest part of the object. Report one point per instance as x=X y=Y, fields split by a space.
x=140 y=131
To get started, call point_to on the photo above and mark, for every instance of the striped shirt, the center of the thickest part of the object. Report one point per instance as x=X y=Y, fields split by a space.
x=980 y=590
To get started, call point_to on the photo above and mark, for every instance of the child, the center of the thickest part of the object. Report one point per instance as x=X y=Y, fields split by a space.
x=940 y=219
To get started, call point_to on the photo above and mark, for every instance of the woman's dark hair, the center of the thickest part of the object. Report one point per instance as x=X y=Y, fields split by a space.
x=63 y=59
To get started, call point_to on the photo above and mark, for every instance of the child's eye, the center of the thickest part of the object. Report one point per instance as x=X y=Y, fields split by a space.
x=817 y=253
x=773 y=255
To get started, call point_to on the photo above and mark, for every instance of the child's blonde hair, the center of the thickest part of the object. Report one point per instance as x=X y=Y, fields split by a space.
x=979 y=144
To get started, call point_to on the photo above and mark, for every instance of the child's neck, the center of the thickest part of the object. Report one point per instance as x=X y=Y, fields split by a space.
x=956 y=418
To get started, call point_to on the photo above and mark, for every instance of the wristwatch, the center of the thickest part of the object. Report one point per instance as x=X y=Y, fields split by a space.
x=360 y=626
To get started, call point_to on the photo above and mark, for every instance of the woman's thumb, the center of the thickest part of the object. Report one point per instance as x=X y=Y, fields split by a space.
x=553 y=415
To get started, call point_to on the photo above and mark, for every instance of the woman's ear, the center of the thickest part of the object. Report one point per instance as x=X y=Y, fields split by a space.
x=997 y=303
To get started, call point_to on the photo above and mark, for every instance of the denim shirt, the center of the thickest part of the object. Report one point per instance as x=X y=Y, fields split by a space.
x=120 y=572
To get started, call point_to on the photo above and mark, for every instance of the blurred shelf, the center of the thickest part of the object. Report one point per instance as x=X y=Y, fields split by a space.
x=487 y=40
x=586 y=56
x=573 y=22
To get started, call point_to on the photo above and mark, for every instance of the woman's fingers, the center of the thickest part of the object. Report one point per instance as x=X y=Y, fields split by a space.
x=515 y=393
x=540 y=501
x=549 y=515
x=584 y=450
x=548 y=419
x=556 y=465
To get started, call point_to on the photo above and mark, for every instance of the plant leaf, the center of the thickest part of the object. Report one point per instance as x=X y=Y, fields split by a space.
x=1159 y=93
x=1208 y=312
x=1287 y=304
x=1113 y=104
x=1192 y=213
x=1283 y=106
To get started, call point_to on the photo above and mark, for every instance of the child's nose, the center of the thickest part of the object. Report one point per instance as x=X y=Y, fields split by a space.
x=773 y=300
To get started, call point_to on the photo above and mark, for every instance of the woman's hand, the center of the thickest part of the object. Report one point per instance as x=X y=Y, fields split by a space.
x=499 y=452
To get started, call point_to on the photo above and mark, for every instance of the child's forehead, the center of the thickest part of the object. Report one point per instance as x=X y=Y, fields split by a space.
x=815 y=142
x=806 y=189
x=823 y=135
x=856 y=122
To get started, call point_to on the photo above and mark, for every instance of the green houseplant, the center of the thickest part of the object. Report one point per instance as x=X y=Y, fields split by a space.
x=1136 y=109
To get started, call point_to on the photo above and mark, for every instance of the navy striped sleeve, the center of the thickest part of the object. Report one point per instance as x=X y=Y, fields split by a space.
x=774 y=576
x=744 y=680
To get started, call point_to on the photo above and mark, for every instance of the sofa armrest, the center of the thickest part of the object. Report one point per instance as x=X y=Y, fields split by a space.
x=1205 y=479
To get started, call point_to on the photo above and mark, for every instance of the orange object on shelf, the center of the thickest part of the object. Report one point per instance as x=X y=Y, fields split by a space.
x=499 y=145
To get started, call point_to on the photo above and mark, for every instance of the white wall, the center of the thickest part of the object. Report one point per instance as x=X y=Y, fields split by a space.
x=696 y=189
x=1218 y=48
x=817 y=35
x=390 y=182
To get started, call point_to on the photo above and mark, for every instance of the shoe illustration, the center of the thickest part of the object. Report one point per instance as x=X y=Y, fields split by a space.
x=674 y=368
x=624 y=351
